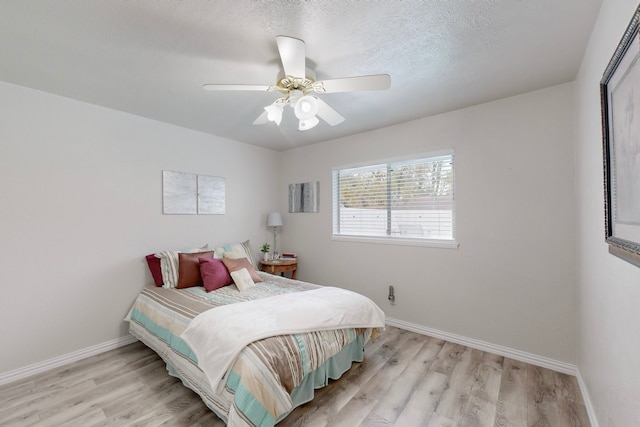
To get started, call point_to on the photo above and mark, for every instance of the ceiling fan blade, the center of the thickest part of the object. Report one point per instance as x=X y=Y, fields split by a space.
x=352 y=84
x=262 y=119
x=259 y=88
x=292 y=53
x=328 y=114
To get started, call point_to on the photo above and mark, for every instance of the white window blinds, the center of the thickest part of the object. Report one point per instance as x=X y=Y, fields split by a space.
x=408 y=199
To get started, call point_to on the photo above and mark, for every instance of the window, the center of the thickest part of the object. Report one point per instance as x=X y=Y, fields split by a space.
x=407 y=200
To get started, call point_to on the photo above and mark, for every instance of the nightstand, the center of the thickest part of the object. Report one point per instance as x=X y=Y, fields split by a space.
x=280 y=266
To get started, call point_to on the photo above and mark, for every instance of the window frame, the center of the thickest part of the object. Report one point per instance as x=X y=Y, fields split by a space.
x=394 y=240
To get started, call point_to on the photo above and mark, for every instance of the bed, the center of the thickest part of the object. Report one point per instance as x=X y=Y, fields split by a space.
x=269 y=377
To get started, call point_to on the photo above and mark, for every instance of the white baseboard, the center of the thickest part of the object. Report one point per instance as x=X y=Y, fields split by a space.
x=533 y=359
x=56 y=362
x=587 y=401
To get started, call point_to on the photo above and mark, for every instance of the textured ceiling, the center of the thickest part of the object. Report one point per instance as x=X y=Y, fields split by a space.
x=151 y=57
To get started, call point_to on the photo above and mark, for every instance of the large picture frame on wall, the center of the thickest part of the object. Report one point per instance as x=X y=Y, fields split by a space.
x=620 y=106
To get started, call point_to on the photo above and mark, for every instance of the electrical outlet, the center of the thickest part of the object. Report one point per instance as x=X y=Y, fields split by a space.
x=392 y=295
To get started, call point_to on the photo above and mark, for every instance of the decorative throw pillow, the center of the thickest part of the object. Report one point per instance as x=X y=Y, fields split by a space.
x=218 y=253
x=214 y=274
x=244 y=247
x=154 y=268
x=242 y=279
x=189 y=269
x=169 y=265
x=237 y=264
x=234 y=255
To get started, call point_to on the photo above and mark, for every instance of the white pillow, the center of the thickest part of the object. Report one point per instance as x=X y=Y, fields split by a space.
x=218 y=253
x=242 y=279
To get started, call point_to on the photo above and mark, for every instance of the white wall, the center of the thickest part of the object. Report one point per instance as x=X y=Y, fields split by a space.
x=608 y=288
x=512 y=280
x=81 y=205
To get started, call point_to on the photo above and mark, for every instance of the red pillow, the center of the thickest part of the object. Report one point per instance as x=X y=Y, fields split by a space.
x=214 y=274
x=155 y=269
x=189 y=269
x=240 y=263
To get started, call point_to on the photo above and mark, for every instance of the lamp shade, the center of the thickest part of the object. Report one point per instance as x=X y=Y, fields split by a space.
x=308 y=123
x=274 y=220
x=306 y=107
x=274 y=113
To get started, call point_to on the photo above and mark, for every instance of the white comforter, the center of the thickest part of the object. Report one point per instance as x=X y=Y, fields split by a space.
x=218 y=335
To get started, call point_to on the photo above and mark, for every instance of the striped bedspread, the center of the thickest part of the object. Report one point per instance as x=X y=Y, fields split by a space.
x=259 y=385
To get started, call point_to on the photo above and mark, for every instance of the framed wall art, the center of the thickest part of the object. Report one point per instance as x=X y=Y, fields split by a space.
x=190 y=194
x=620 y=105
x=304 y=197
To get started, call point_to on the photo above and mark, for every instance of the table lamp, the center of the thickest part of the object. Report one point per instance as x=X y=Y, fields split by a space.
x=274 y=220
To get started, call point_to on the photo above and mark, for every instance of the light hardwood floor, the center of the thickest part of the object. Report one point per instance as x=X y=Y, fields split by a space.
x=406 y=380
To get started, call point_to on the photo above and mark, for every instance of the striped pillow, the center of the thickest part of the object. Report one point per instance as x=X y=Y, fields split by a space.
x=169 y=263
x=244 y=247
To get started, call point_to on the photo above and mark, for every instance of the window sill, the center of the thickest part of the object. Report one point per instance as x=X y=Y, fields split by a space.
x=442 y=244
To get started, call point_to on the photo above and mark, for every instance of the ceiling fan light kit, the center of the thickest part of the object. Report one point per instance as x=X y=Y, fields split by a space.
x=299 y=83
x=306 y=124
x=274 y=113
x=306 y=107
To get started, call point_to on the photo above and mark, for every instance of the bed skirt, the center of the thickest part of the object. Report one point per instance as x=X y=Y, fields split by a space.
x=192 y=377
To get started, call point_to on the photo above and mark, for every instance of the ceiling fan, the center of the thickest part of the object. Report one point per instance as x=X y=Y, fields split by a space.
x=299 y=86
